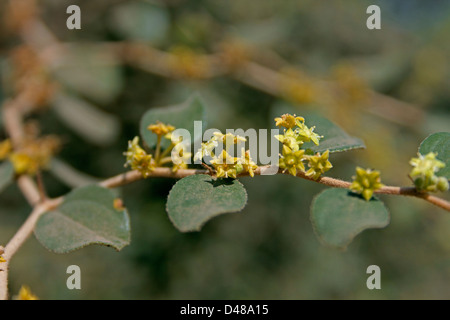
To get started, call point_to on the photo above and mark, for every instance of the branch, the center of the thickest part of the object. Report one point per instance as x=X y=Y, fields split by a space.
x=131 y=176
x=19 y=238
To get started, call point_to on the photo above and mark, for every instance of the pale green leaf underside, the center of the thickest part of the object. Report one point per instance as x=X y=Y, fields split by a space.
x=6 y=174
x=196 y=199
x=337 y=216
x=87 y=216
x=179 y=116
x=439 y=143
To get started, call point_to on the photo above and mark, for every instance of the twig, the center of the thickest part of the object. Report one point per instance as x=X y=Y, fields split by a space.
x=131 y=176
x=19 y=238
x=41 y=186
x=29 y=189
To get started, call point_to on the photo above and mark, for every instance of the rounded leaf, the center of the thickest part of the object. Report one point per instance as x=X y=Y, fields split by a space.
x=338 y=215
x=87 y=216
x=196 y=199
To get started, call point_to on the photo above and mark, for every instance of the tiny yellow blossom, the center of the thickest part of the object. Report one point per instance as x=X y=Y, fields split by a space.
x=225 y=165
x=290 y=139
x=206 y=149
x=2 y=259
x=23 y=163
x=25 y=294
x=229 y=138
x=423 y=173
x=288 y=121
x=366 y=182
x=161 y=129
x=297 y=132
x=34 y=154
x=182 y=157
x=307 y=134
x=318 y=164
x=292 y=161
x=246 y=163
x=5 y=149
x=138 y=159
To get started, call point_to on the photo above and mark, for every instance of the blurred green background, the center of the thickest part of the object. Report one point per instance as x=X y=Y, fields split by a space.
x=269 y=250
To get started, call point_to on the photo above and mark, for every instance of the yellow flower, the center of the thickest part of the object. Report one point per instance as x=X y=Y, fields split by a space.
x=23 y=163
x=245 y=163
x=182 y=156
x=229 y=138
x=292 y=161
x=225 y=165
x=290 y=139
x=138 y=159
x=133 y=150
x=206 y=149
x=288 y=121
x=307 y=134
x=366 y=182
x=2 y=259
x=425 y=165
x=318 y=164
x=161 y=129
x=297 y=132
x=34 y=155
x=5 y=149
x=25 y=294
x=423 y=173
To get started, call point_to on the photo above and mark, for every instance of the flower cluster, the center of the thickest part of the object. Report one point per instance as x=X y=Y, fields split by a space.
x=161 y=129
x=424 y=173
x=366 y=182
x=138 y=159
x=295 y=134
x=32 y=155
x=227 y=166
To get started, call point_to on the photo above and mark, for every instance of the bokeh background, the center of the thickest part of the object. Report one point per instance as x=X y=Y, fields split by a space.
x=245 y=58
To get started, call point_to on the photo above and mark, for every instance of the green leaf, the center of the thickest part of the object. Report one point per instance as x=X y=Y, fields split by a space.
x=334 y=138
x=439 y=143
x=91 y=72
x=179 y=116
x=196 y=199
x=150 y=22
x=338 y=215
x=87 y=216
x=6 y=174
